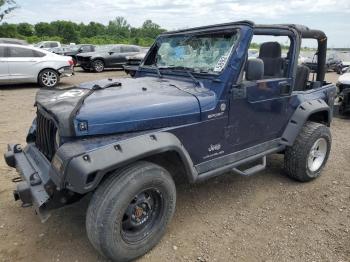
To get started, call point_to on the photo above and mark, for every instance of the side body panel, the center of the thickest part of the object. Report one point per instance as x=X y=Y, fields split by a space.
x=4 y=70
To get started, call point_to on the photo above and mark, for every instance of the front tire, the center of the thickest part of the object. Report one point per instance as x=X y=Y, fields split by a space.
x=130 y=210
x=98 y=65
x=305 y=160
x=48 y=78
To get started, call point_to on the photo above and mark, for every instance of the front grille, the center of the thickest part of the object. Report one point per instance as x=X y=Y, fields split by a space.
x=45 y=135
x=342 y=87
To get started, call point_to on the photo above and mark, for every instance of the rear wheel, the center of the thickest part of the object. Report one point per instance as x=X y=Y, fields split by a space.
x=98 y=65
x=48 y=78
x=129 y=212
x=305 y=160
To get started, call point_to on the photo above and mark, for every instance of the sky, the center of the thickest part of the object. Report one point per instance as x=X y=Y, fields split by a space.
x=331 y=16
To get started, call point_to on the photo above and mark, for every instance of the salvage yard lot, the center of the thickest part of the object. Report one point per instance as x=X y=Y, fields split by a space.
x=231 y=218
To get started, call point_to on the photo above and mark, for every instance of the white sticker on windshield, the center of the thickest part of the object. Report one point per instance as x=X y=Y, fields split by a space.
x=221 y=63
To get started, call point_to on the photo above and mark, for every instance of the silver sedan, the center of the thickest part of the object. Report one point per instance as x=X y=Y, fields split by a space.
x=25 y=64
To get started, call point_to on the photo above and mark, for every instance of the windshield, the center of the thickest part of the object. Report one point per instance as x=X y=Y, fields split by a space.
x=74 y=48
x=38 y=44
x=204 y=52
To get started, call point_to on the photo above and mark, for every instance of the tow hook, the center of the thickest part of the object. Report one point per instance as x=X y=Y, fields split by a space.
x=23 y=193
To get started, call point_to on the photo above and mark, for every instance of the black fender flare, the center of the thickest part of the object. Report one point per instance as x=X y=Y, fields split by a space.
x=303 y=112
x=98 y=162
x=97 y=58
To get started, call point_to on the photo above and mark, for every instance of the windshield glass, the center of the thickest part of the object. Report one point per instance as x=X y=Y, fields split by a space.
x=74 y=48
x=204 y=52
x=38 y=44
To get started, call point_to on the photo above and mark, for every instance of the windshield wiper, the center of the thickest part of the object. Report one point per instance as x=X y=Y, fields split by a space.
x=187 y=70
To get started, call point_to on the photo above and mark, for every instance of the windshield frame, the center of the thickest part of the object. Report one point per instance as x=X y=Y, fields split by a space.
x=155 y=47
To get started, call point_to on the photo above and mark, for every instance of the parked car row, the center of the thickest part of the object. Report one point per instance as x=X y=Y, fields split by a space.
x=93 y=58
x=47 y=62
x=25 y=64
x=333 y=63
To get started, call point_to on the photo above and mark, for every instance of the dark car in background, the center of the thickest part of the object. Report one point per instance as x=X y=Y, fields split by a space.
x=108 y=56
x=74 y=50
x=333 y=63
x=134 y=61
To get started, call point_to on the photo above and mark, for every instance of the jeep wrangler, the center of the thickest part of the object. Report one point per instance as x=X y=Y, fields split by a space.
x=197 y=107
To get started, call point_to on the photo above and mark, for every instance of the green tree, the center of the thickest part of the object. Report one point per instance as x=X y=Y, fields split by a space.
x=119 y=27
x=6 y=7
x=92 y=29
x=8 y=30
x=43 y=29
x=150 y=29
x=25 y=29
x=69 y=31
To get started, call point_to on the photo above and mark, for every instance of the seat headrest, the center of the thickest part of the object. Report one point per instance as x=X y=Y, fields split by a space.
x=270 y=50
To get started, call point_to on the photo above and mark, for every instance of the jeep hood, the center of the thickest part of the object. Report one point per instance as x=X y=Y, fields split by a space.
x=125 y=105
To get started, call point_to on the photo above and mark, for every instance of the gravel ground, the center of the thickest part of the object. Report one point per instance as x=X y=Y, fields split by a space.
x=266 y=217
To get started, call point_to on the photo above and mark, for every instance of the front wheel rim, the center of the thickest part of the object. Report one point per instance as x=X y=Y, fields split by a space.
x=142 y=215
x=317 y=154
x=49 y=78
x=98 y=66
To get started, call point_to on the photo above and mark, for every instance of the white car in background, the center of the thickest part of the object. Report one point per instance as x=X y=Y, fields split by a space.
x=47 y=45
x=25 y=64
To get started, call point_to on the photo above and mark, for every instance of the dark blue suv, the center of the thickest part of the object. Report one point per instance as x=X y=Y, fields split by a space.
x=197 y=107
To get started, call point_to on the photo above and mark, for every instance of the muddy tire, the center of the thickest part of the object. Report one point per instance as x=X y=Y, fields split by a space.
x=130 y=210
x=305 y=160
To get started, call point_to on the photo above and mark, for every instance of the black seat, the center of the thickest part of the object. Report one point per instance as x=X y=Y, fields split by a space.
x=302 y=76
x=271 y=54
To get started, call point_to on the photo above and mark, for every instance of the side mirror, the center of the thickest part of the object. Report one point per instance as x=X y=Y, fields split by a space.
x=110 y=53
x=80 y=51
x=254 y=69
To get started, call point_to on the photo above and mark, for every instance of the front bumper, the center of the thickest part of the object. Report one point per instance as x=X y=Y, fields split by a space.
x=66 y=71
x=86 y=63
x=34 y=182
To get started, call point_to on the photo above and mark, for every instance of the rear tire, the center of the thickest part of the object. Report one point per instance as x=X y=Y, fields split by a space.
x=130 y=210
x=98 y=65
x=48 y=78
x=305 y=160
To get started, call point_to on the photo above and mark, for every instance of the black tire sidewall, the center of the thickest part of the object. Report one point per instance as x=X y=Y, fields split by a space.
x=321 y=132
x=93 y=65
x=111 y=212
